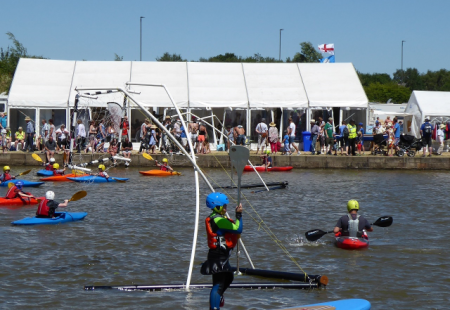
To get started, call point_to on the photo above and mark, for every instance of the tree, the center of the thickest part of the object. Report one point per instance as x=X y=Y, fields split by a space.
x=170 y=57
x=367 y=78
x=117 y=57
x=377 y=92
x=308 y=53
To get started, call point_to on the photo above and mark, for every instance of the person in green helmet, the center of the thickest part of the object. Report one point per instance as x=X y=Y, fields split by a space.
x=266 y=159
x=352 y=224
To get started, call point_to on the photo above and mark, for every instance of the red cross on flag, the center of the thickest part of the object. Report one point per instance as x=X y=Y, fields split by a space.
x=327 y=48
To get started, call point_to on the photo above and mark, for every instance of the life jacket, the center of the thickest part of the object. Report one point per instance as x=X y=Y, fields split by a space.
x=12 y=193
x=164 y=168
x=56 y=173
x=353 y=226
x=227 y=242
x=352 y=131
x=43 y=208
x=6 y=177
x=102 y=174
x=49 y=167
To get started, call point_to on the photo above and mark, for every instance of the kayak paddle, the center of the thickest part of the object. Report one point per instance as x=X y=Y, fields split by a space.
x=11 y=184
x=316 y=234
x=117 y=180
x=36 y=157
x=75 y=197
x=147 y=156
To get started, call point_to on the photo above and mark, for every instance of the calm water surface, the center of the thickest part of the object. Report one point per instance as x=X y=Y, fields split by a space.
x=141 y=232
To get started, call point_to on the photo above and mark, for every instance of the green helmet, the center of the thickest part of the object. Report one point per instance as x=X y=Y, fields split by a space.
x=267 y=152
x=352 y=205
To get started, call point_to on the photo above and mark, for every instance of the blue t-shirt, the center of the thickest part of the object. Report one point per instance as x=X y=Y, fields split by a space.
x=362 y=131
x=423 y=129
x=183 y=132
x=397 y=130
x=4 y=120
x=286 y=139
x=341 y=130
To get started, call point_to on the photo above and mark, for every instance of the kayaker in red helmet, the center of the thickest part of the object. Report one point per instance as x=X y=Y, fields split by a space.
x=223 y=235
x=352 y=224
x=164 y=166
x=47 y=206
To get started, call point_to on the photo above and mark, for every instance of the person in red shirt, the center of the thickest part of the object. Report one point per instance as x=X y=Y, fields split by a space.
x=125 y=126
x=164 y=166
x=57 y=171
x=47 y=206
x=16 y=192
x=5 y=175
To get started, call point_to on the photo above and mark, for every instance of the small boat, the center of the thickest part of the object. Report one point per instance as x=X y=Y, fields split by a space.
x=44 y=173
x=25 y=183
x=344 y=304
x=262 y=169
x=351 y=243
x=63 y=178
x=159 y=173
x=19 y=202
x=96 y=179
x=60 y=217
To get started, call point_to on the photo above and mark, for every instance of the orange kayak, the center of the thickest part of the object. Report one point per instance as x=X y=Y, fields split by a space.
x=63 y=178
x=159 y=173
x=19 y=202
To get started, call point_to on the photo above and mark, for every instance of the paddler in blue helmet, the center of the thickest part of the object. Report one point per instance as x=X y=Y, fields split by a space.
x=352 y=224
x=223 y=234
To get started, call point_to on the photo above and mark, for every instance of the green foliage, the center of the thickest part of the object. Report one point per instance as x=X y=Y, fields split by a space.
x=170 y=57
x=117 y=57
x=308 y=53
x=367 y=78
x=377 y=92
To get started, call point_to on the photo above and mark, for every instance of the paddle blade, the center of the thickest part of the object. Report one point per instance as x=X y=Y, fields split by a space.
x=384 y=221
x=315 y=234
x=239 y=156
x=78 y=196
x=64 y=157
x=36 y=157
x=10 y=184
x=25 y=172
x=176 y=173
x=119 y=181
x=147 y=156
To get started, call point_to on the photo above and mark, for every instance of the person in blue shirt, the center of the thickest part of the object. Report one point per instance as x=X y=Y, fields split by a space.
x=29 y=135
x=266 y=159
x=361 y=133
x=426 y=130
x=287 y=150
x=397 y=132
x=3 y=120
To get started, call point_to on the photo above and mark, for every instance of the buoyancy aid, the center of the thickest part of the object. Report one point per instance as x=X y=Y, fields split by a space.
x=5 y=177
x=164 y=168
x=351 y=131
x=353 y=226
x=58 y=172
x=13 y=192
x=43 y=208
x=49 y=167
x=227 y=242
x=102 y=174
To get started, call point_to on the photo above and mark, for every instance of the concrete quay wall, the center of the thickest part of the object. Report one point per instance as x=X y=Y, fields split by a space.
x=220 y=159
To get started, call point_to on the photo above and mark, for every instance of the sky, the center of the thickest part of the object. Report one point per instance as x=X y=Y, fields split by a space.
x=368 y=34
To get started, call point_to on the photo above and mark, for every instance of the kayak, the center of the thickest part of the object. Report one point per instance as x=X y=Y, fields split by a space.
x=96 y=179
x=344 y=304
x=351 y=243
x=25 y=183
x=45 y=173
x=61 y=217
x=19 y=202
x=262 y=169
x=158 y=173
x=63 y=178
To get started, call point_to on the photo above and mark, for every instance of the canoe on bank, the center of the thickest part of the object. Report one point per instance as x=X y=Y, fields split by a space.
x=44 y=173
x=262 y=169
x=159 y=173
x=62 y=178
x=96 y=179
x=19 y=202
x=351 y=243
x=25 y=183
x=344 y=304
x=61 y=217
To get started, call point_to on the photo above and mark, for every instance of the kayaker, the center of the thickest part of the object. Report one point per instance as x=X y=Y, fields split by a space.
x=223 y=234
x=57 y=171
x=266 y=159
x=352 y=224
x=164 y=166
x=5 y=175
x=49 y=166
x=102 y=172
x=47 y=206
x=16 y=192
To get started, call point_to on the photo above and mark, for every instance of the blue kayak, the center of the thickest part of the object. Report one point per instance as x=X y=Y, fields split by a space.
x=25 y=183
x=344 y=304
x=96 y=179
x=45 y=173
x=61 y=217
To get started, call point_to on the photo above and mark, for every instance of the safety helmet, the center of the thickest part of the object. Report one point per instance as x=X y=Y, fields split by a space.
x=164 y=160
x=267 y=152
x=6 y=168
x=52 y=160
x=216 y=200
x=50 y=195
x=102 y=167
x=352 y=205
x=55 y=166
x=19 y=184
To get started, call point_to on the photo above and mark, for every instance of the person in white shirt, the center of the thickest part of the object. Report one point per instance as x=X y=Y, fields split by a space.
x=291 y=133
x=43 y=137
x=81 y=135
x=440 y=138
x=261 y=130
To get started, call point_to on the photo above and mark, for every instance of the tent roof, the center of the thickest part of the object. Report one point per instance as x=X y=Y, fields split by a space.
x=434 y=103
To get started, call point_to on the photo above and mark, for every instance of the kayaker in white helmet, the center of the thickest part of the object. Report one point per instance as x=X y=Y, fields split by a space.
x=352 y=224
x=47 y=206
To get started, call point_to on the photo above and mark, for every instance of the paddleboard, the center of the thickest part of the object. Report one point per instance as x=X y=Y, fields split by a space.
x=344 y=304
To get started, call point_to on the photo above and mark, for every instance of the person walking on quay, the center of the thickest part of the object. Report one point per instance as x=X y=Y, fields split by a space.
x=286 y=149
x=426 y=130
x=43 y=137
x=343 y=141
x=329 y=136
x=261 y=130
x=239 y=133
x=361 y=139
x=223 y=235
x=81 y=135
x=291 y=132
x=352 y=137
x=273 y=138
x=314 y=134
x=30 y=135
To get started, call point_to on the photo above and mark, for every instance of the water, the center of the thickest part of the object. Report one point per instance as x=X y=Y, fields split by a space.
x=141 y=233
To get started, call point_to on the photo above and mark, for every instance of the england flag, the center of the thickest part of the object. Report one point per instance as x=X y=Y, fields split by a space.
x=327 y=48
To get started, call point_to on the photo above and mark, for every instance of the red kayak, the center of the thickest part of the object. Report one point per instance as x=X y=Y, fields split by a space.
x=63 y=178
x=262 y=169
x=19 y=202
x=351 y=243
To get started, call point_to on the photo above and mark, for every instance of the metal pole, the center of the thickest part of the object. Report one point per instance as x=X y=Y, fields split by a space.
x=279 y=56
x=403 y=75
x=141 y=37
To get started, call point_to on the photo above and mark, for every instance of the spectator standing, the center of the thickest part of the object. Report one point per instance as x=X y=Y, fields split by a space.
x=20 y=137
x=127 y=147
x=113 y=148
x=273 y=138
x=29 y=135
x=314 y=134
x=261 y=130
x=3 y=120
x=440 y=138
x=329 y=133
x=50 y=147
x=143 y=135
x=397 y=131
x=125 y=126
x=343 y=141
x=183 y=137
x=361 y=133
x=426 y=130
x=92 y=136
x=6 y=139
x=321 y=140
x=391 y=139
x=202 y=135
x=239 y=134
x=352 y=137
x=193 y=130
x=43 y=137
x=287 y=148
x=166 y=145
x=153 y=140
x=291 y=133
x=81 y=135
x=229 y=136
